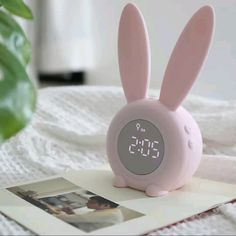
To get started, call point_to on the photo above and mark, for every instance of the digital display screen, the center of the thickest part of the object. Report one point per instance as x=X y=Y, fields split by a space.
x=140 y=147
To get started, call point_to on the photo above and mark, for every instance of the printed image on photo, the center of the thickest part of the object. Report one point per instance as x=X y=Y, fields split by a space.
x=74 y=205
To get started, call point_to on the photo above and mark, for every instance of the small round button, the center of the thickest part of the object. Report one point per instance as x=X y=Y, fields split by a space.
x=187 y=129
x=190 y=144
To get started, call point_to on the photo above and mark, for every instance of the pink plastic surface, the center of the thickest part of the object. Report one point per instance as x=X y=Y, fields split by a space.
x=187 y=58
x=134 y=54
x=179 y=162
x=181 y=134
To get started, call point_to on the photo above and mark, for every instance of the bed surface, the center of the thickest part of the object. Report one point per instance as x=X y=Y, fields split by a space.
x=68 y=132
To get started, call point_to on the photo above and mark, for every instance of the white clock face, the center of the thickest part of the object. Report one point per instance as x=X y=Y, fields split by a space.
x=140 y=147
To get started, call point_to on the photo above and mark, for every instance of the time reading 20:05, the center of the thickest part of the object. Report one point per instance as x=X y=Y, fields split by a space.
x=145 y=147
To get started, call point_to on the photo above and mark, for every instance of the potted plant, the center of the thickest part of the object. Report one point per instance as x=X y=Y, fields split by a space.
x=17 y=92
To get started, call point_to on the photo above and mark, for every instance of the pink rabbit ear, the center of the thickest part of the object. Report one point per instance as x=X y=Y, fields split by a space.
x=187 y=58
x=134 y=54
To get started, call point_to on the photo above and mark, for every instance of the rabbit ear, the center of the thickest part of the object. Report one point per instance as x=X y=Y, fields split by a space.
x=187 y=58
x=134 y=54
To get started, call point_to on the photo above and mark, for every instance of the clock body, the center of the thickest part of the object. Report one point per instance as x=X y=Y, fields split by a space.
x=152 y=148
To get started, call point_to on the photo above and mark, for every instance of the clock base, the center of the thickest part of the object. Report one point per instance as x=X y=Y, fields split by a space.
x=151 y=190
x=119 y=182
x=154 y=191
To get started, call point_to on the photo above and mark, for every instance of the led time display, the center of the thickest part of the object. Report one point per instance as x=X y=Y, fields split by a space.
x=140 y=147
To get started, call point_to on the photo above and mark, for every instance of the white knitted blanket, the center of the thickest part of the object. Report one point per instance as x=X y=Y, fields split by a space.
x=68 y=132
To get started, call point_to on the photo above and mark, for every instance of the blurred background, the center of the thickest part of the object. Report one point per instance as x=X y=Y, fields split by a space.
x=75 y=42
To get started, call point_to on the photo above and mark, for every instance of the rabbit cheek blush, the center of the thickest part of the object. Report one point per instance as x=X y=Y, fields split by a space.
x=156 y=145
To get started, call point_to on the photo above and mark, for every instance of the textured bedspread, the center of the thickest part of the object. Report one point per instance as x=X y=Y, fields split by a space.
x=68 y=132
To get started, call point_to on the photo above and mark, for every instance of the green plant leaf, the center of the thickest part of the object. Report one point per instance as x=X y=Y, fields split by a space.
x=14 y=38
x=17 y=7
x=17 y=95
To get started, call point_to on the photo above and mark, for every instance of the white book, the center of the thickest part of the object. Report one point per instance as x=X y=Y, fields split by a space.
x=85 y=202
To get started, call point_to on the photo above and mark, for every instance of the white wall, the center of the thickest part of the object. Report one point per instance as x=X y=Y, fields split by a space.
x=165 y=20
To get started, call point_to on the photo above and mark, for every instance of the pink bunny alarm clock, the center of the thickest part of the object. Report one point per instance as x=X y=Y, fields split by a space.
x=156 y=145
